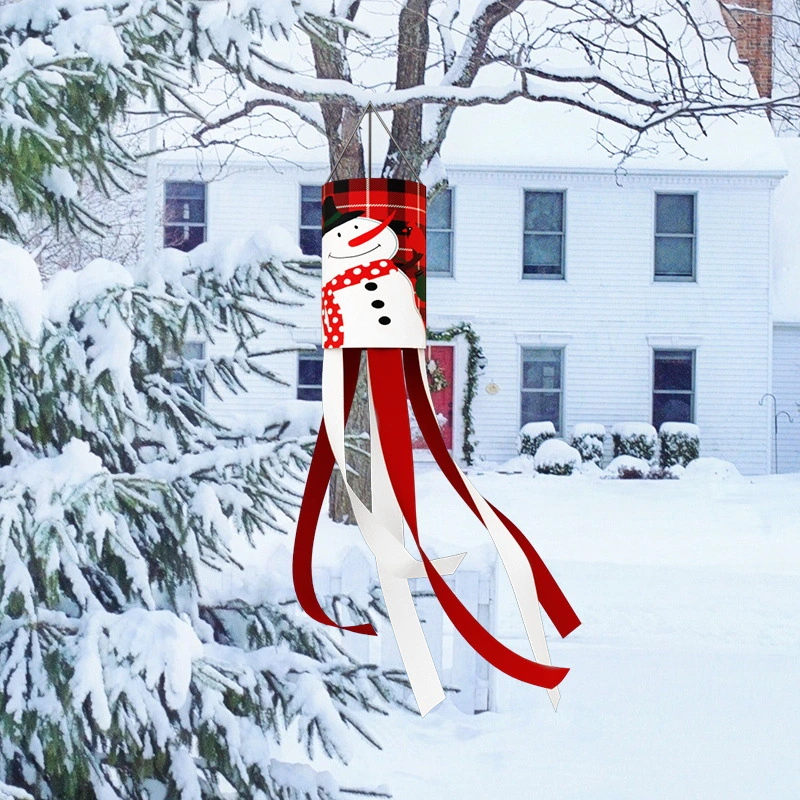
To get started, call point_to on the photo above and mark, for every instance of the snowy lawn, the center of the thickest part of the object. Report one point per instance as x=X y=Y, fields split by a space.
x=684 y=681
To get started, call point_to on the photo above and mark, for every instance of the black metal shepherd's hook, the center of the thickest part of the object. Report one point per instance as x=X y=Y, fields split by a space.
x=775 y=416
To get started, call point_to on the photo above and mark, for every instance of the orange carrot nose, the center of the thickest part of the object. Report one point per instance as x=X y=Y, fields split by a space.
x=363 y=238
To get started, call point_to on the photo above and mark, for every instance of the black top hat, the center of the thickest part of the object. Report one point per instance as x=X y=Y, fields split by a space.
x=332 y=217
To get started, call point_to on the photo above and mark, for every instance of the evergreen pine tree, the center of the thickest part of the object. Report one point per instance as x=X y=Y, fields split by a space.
x=70 y=69
x=118 y=489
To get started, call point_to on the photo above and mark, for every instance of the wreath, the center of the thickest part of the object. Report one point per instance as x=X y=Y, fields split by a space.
x=437 y=380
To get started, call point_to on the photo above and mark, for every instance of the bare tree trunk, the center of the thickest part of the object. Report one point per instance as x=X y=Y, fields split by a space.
x=412 y=52
x=340 y=118
x=340 y=122
x=413 y=43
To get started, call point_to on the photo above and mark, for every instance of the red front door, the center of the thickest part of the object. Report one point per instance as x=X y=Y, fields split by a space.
x=441 y=362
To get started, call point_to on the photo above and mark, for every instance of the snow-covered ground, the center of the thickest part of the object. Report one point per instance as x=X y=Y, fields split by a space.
x=685 y=674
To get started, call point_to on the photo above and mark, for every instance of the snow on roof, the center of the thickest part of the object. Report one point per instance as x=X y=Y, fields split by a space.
x=786 y=239
x=526 y=134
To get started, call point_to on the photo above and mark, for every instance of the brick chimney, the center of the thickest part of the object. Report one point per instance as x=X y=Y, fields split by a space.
x=752 y=32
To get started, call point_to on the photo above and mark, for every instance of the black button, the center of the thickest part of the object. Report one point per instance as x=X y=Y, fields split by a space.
x=378 y=304
x=384 y=320
x=370 y=287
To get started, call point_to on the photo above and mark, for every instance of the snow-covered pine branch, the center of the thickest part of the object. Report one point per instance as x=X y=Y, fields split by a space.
x=70 y=69
x=121 y=674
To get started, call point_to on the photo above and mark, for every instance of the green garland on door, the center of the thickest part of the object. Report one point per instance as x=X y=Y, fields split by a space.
x=476 y=361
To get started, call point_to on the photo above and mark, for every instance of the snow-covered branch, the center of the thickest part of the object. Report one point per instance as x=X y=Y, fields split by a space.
x=661 y=65
x=70 y=69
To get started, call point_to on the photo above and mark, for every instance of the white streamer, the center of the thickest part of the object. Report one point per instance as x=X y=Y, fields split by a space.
x=517 y=568
x=383 y=533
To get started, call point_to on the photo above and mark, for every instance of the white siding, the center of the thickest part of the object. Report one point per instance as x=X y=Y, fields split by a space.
x=608 y=314
x=786 y=388
x=242 y=202
x=609 y=310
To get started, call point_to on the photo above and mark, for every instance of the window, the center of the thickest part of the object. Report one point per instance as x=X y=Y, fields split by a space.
x=675 y=237
x=309 y=375
x=543 y=235
x=311 y=220
x=673 y=386
x=439 y=234
x=191 y=350
x=541 y=386
x=184 y=215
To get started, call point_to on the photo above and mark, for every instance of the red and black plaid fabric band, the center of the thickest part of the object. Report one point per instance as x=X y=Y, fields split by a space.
x=377 y=198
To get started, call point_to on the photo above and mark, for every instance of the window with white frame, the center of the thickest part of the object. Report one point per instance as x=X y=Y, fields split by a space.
x=542 y=387
x=675 y=237
x=673 y=386
x=309 y=375
x=543 y=235
x=185 y=220
x=439 y=234
x=311 y=220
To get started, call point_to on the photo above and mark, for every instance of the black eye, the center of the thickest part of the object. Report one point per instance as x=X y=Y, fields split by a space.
x=355 y=226
x=339 y=235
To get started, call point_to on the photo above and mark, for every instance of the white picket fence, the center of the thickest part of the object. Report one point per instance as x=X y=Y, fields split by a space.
x=465 y=675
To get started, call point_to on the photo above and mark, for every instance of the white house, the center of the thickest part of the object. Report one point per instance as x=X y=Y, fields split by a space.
x=785 y=403
x=599 y=294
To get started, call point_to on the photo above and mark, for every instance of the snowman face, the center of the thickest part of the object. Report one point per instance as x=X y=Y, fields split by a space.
x=350 y=245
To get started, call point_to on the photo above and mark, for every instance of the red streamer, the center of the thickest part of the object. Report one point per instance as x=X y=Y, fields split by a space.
x=394 y=376
x=319 y=474
x=391 y=410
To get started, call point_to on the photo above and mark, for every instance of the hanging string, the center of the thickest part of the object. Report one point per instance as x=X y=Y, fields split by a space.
x=394 y=141
x=368 y=112
x=347 y=143
x=370 y=109
x=369 y=151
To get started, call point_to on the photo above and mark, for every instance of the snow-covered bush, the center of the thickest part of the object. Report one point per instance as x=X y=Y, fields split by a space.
x=532 y=435
x=518 y=465
x=627 y=467
x=637 y=439
x=587 y=439
x=679 y=443
x=662 y=474
x=556 y=457
x=632 y=468
x=590 y=470
x=711 y=468
x=416 y=433
x=676 y=470
x=120 y=493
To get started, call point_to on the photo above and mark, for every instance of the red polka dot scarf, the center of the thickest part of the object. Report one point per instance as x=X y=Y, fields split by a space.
x=332 y=333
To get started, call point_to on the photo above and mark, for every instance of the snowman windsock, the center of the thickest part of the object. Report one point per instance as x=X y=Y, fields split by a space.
x=373 y=299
